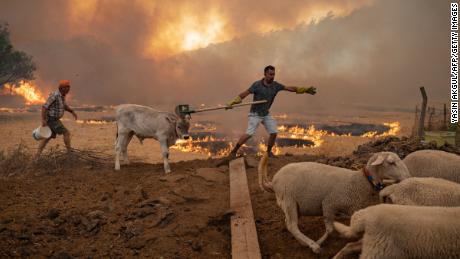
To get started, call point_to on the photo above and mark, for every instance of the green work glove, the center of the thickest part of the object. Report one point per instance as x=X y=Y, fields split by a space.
x=237 y=100
x=310 y=90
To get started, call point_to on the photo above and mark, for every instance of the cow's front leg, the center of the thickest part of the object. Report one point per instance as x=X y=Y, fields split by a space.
x=117 y=152
x=125 y=150
x=120 y=146
x=165 y=154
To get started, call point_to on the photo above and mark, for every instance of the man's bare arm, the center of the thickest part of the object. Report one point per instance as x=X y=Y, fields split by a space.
x=244 y=94
x=301 y=90
x=67 y=108
x=238 y=99
x=291 y=88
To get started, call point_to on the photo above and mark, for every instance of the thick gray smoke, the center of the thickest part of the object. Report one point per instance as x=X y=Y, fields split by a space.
x=377 y=55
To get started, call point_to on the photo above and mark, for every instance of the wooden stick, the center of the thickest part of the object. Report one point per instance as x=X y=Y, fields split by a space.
x=223 y=107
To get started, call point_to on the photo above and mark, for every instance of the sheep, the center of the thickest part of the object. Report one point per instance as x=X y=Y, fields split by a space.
x=434 y=163
x=401 y=231
x=314 y=189
x=423 y=191
x=414 y=191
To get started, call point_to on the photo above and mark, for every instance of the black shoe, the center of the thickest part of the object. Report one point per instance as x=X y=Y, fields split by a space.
x=226 y=160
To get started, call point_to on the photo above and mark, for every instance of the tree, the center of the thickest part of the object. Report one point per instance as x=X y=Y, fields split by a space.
x=14 y=65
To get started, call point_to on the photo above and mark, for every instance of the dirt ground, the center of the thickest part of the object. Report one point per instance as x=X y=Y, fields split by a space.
x=100 y=213
x=139 y=212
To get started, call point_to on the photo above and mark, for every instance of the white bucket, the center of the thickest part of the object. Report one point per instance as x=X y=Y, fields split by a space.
x=41 y=133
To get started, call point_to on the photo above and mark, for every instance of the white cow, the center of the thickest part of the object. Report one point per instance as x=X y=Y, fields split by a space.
x=145 y=122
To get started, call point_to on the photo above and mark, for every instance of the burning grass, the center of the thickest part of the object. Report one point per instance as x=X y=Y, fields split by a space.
x=292 y=138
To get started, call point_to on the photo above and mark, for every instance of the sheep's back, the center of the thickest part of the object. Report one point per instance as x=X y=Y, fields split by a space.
x=416 y=231
x=308 y=183
x=434 y=163
x=427 y=191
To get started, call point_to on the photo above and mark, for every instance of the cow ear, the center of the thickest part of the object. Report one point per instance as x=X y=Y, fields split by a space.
x=178 y=113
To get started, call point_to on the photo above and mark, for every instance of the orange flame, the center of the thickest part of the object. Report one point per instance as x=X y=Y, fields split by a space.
x=190 y=146
x=395 y=128
x=263 y=148
x=295 y=132
x=27 y=90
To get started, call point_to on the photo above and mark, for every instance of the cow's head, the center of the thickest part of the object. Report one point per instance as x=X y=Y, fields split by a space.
x=182 y=124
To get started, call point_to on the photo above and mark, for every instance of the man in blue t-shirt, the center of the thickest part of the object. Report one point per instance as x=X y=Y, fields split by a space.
x=264 y=89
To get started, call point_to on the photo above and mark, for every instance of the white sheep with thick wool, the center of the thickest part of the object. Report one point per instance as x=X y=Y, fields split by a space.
x=422 y=191
x=434 y=163
x=402 y=231
x=315 y=189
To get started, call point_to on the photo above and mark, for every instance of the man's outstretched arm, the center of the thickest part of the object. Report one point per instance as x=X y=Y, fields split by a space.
x=301 y=90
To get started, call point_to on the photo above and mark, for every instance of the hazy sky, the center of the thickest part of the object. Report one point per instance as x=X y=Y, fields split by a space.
x=357 y=53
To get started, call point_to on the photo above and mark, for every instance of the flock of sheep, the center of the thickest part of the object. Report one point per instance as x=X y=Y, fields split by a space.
x=421 y=221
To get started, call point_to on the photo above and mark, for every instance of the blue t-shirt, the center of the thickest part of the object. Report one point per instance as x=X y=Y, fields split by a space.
x=264 y=92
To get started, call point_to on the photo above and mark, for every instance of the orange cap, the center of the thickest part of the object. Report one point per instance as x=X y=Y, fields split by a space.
x=64 y=83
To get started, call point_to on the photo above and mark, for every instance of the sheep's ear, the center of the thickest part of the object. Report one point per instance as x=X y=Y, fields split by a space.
x=378 y=161
x=391 y=159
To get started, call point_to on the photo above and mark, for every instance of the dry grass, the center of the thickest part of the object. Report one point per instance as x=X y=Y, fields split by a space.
x=20 y=160
x=14 y=161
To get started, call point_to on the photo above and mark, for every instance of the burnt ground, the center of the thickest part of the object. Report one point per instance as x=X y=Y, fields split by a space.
x=100 y=213
x=76 y=208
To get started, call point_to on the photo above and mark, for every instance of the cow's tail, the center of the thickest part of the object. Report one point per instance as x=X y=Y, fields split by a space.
x=264 y=183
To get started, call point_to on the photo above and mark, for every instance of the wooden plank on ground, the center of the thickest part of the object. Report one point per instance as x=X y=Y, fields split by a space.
x=245 y=244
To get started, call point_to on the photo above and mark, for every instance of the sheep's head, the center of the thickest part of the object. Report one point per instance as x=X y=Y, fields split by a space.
x=387 y=165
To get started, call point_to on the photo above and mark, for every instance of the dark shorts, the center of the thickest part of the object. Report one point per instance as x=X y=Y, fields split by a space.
x=56 y=127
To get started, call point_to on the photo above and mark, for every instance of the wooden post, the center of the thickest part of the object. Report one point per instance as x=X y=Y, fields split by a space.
x=421 y=122
x=245 y=244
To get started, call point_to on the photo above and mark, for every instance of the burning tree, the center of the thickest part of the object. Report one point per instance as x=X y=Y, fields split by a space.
x=14 y=65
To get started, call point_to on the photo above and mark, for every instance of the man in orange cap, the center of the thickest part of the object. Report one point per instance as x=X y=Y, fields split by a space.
x=52 y=112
